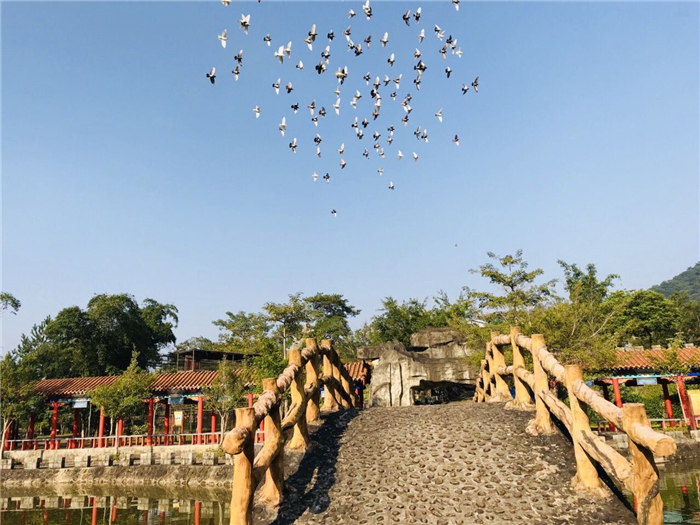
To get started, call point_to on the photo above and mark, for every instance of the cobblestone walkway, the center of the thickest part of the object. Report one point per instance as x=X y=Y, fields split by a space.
x=459 y=463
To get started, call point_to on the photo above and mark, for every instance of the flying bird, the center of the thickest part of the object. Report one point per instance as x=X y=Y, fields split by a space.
x=475 y=85
x=391 y=60
x=295 y=107
x=341 y=149
x=456 y=140
x=293 y=145
x=312 y=107
x=327 y=178
x=421 y=36
x=417 y=14
x=300 y=65
x=267 y=39
x=407 y=17
x=400 y=155
x=448 y=71
x=256 y=110
x=236 y=71
x=336 y=107
x=289 y=88
x=456 y=4
x=226 y=2
x=465 y=88
x=384 y=40
x=315 y=176
x=276 y=85
x=415 y=156
x=342 y=163
x=351 y=13
x=334 y=213
x=223 y=38
x=283 y=126
x=212 y=75
x=391 y=185
x=245 y=23
x=439 y=115
x=239 y=57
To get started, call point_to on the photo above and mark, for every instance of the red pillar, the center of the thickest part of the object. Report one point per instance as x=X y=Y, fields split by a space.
x=94 y=511
x=667 y=401
x=213 y=428
x=616 y=391
x=32 y=421
x=8 y=435
x=197 y=512
x=76 y=423
x=606 y=395
x=120 y=432
x=114 y=514
x=200 y=417
x=166 y=421
x=54 y=424
x=692 y=423
x=101 y=429
x=150 y=421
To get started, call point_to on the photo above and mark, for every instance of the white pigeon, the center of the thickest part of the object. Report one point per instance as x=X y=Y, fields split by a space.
x=456 y=4
x=417 y=14
x=283 y=126
x=385 y=39
x=336 y=107
x=318 y=151
x=300 y=65
x=342 y=74
x=279 y=54
x=315 y=176
x=267 y=39
x=289 y=88
x=256 y=110
x=333 y=212
x=400 y=155
x=223 y=38
x=380 y=171
x=439 y=115
x=212 y=75
x=341 y=149
x=417 y=54
x=276 y=85
x=459 y=52
x=312 y=107
x=391 y=60
x=226 y=2
x=351 y=13
x=415 y=156
x=456 y=140
x=293 y=145
x=391 y=185
x=337 y=91
x=342 y=163
x=421 y=36
x=367 y=9
x=288 y=50
x=397 y=81
x=245 y=23
x=236 y=72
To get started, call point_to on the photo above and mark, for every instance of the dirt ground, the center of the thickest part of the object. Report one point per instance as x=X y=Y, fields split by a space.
x=459 y=463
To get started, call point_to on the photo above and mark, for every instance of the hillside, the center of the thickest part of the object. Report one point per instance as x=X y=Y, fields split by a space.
x=687 y=281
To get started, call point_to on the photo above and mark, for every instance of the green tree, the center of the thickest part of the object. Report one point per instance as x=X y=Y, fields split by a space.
x=243 y=333
x=125 y=397
x=226 y=392
x=688 y=317
x=328 y=316
x=9 y=302
x=398 y=321
x=647 y=316
x=19 y=401
x=289 y=316
x=519 y=292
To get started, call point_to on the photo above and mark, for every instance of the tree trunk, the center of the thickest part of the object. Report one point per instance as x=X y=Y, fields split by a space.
x=4 y=433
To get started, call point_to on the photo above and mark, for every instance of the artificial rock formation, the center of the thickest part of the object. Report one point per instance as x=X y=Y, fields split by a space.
x=438 y=357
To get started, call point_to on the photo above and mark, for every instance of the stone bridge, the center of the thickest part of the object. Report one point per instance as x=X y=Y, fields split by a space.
x=503 y=459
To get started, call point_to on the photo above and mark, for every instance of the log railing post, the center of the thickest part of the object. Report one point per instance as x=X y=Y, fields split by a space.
x=490 y=388
x=522 y=399
x=485 y=379
x=586 y=477
x=272 y=490
x=344 y=382
x=645 y=476
x=300 y=438
x=542 y=423
x=502 y=390
x=330 y=400
x=312 y=407
x=242 y=489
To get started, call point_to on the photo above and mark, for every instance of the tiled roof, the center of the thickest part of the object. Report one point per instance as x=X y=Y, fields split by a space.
x=163 y=383
x=358 y=370
x=646 y=359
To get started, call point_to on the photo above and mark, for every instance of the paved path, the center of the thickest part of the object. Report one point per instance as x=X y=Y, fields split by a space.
x=460 y=463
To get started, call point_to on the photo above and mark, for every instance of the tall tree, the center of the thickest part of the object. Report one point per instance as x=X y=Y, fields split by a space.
x=243 y=333
x=519 y=292
x=290 y=317
x=19 y=401
x=647 y=316
x=226 y=392
x=398 y=321
x=328 y=316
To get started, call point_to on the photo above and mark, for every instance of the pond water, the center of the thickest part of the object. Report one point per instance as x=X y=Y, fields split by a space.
x=680 y=490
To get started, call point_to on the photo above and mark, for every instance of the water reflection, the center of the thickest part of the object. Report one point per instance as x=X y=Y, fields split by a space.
x=680 y=490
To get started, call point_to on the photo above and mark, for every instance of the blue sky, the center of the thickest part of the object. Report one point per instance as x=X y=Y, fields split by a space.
x=125 y=170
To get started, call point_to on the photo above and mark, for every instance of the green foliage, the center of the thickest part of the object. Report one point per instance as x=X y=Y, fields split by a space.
x=685 y=282
x=397 y=322
x=124 y=397
x=227 y=392
x=100 y=339
x=688 y=318
x=290 y=317
x=9 y=302
x=646 y=316
x=519 y=292
x=328 y=316
x=17 y=393
x=243 y=333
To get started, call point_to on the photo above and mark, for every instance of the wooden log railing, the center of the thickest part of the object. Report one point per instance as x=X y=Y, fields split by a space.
x=302 y=379
x=638 y=474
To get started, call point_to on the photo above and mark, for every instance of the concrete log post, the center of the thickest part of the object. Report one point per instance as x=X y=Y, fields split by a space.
x=484 y=380
x=313 y=411
x=522 y=399
x=542 y=423
x=330 y=401
x=242 y=489
x=586 y=477
x=491 y=365
x=300 y=438
x=345 y=400
x=502 y=390
x=645 y=476
x=272 y=490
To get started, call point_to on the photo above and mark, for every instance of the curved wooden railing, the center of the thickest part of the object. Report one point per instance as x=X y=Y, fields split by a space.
x=638 y=474
x=249 y=470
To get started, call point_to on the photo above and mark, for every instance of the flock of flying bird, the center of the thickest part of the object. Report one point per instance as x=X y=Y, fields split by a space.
x=285 y=52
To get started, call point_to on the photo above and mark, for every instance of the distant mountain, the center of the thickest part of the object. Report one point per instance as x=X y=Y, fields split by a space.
x=688 y=281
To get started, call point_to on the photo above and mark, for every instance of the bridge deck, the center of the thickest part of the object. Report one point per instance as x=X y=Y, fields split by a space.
x=457 y=463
